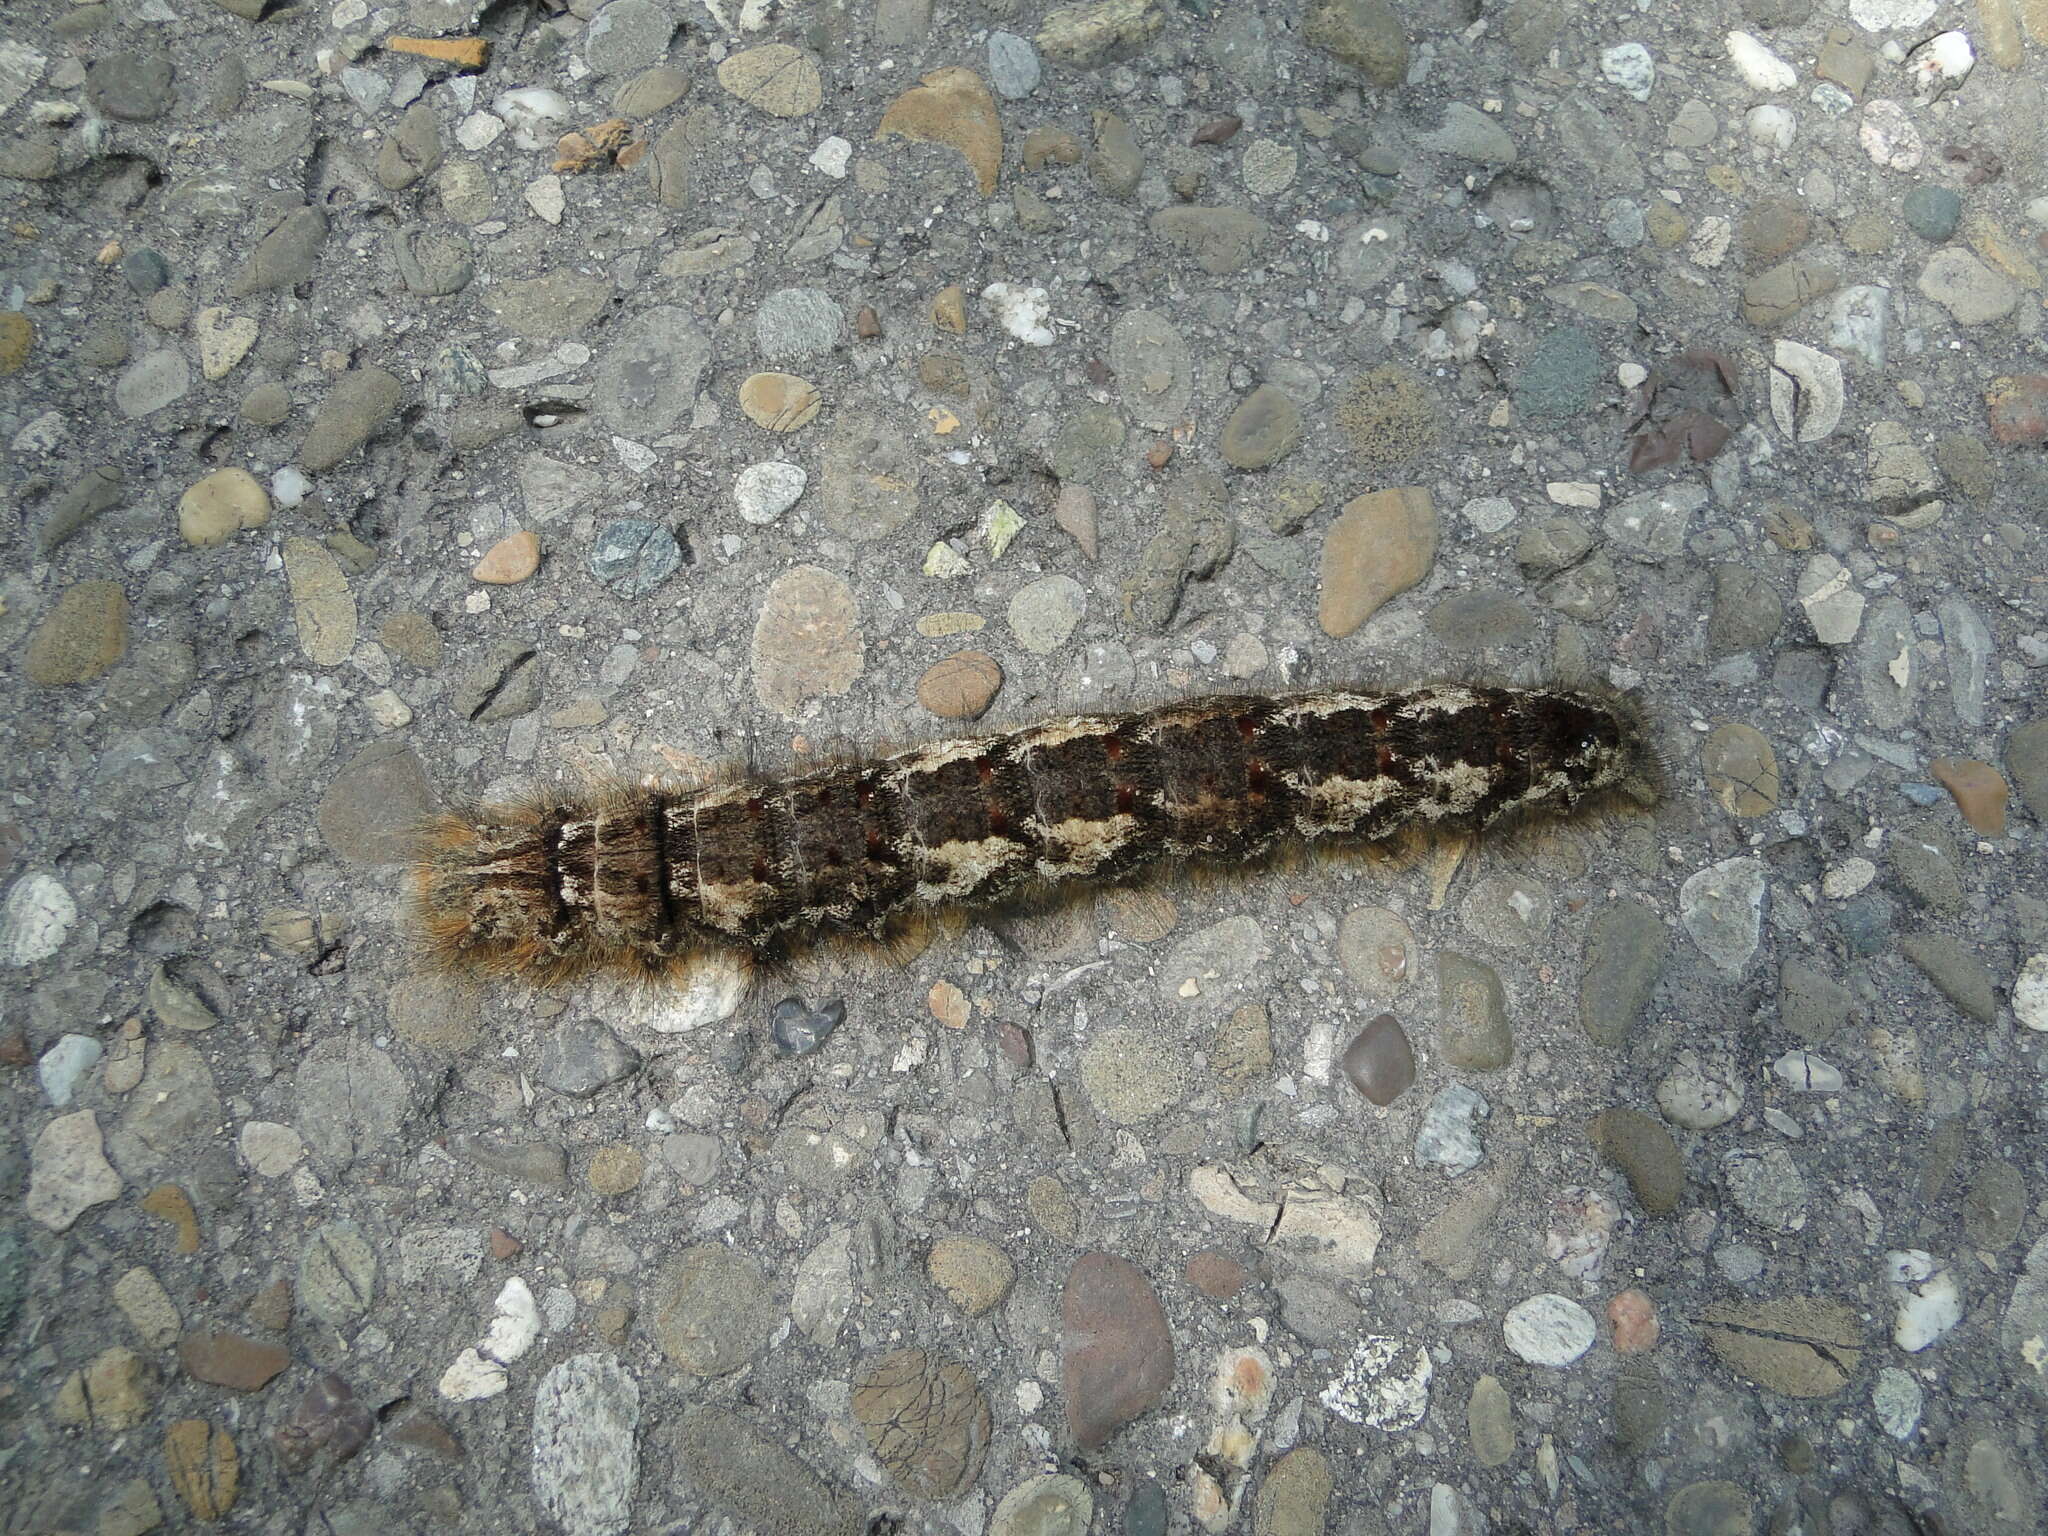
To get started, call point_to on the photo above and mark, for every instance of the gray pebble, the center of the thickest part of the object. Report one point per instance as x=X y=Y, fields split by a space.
x=583 y=1057
x=633 y=556
x=1012 y=65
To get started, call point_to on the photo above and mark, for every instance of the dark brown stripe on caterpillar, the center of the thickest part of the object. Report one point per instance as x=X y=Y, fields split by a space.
x=638 y=880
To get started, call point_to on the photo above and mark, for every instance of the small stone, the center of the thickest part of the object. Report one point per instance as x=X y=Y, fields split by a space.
x=1449 y=1133
x=1741 y=770
x=1767 y=1185
x=1561 y=377
x=1645 y=1154
x=224 y=340
x=2030 y=993
x=1761 y=69
x=951 y=106
x=1380 y=1062
x=1799 y=1346
x=1262 y=430
x=974 y=1273
x=960 y=687
x=220 y=506
x=1626 y=947
x=765 y=491
x=230 y=1360
x=1117 y=1348
x=2017 y=409
x=1380 y=545
x=779 y=402
x=1365 y=34
x=1096 y=31
x=1957 y=973
x=1216 y=1275
x=1633 y=1317
x=1699 y=1095
x=1933 y=212
x=712 y=1309
x=1973 y=293
x=322 y=605
x=148 y=1307
x=511 y=560
x=81 y=637
x=586 y=1454
x=1475 y=1034
x=616 y=1171
x=1549 y=1330
x=204 y=1467
x=361 y=401
x=807 y=640
x=68 y=1171
x=1979 y=792
x=776 y=78
x=634 y=557
x=926 y=1420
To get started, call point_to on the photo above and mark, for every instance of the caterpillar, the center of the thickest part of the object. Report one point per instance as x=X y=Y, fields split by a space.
x=640 y=880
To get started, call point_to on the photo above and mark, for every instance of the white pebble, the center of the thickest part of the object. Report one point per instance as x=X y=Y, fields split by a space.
x=1771 y=128
x=1761 y=69
x=1549 y=1330
x=1889 y=15
x=831 y=156
x=536 y=115
x=1805 y=1072
x=1941 y=62
x=2030 y=993
x=1896 y=1400
x=36 y=920
x=64 y=1065
x=479 y=130
x=290 y=486
x=471 y=1378
x=1929 y=1301
x=1629 y=66
x=544 y=196
x=765 y=491
x=1889 y=137
x=1022 y=311
x=272 y=1150
x=517 y=1324
x=1847 y=878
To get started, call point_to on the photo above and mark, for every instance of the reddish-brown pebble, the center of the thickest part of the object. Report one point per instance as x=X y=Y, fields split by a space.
x=1380 y=1062
x=503 y=1243
x=14 y=1051
x=1215 y=1275
x=230 y=1360
x=511 y=559
x=2018 y=408
x=867 y=325
x=961 y=686
x=427 y=1434
x=1074 y=511
x=1160 y=454
x=1116 y=1348
x=1015 y=1045
x=271 y=1307
x=1979 y=792
x=1634 y=1319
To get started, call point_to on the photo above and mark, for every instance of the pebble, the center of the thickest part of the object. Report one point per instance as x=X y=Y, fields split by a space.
x=1630 y=68
x=1117 y=1355
x=1013 y=67
x=951 y=106
x=1633 y=1317
x=634 y=557
x=68 y=1171
x=1154 y=368
x=975 y=1274
x=765 y=491
x=1045 y=613
x=2030 y=993
x=1379 y=1061
x=36 y=920
x=1761 y=69
x=1721 y=907
x=1929 y=1302
x=1646 y=1156
x=509 y=561
x=586 y=1464
x=231 y=1360
x=926 y=1419
x=1973 y=293
x=1262 y=430
x=1932 y=212
x=960 y=686
x=1977 y=789
x=1832 y=604
x=1050 y=1504
x=807 y=640
x=1767 y=1185
x=2017 y=409
x=221 y=505
x=1449 y=1132
x=358 y=405
x=1626 y=948
x=152 y=382
x=779 y=402
x=1700 y=1094
x=223 y=339
x=1021 y=310
x=1889 y=137
x=1384 y=1385
x=776 y=78
x=1381 y=544
x=323 y=607
x=1549 y=1330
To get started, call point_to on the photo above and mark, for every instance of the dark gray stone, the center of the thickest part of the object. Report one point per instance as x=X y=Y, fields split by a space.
x=583 y=1057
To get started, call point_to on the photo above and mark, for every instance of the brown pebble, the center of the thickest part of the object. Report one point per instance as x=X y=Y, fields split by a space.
x=427 y=1433
x=1634 y=1319
x=867 y=325
x=230 y=1360
x=1218 y=130
x=14 y=1051
x=462 y=52
x=781 y=402
x=1380 y=1062
x=271 y=1307
x=949 y=310
x=616 y=1170
x=1116 y=1354
x=1074 y=511
x=503 y=1244
x=1216 y=1275
x=1160 y=454
x=1015 y=1044
x=175 y=1206
x=961 y=686
x=512 y=559
x=1978 y=789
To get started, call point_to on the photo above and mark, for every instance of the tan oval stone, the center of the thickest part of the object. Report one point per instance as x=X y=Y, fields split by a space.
x=511 y=560
x=780 y=402
x=321 y=602
x=973 y=1272
x=224 y=340
x=949 y=1005
x=782 y=81
x=1381 y=544
x=961 y=686
x=616 y=1170
x=949 y=309
x=1741 y=769
x=220 y=506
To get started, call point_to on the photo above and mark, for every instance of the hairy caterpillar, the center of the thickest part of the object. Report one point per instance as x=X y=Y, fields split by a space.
x=638 y=880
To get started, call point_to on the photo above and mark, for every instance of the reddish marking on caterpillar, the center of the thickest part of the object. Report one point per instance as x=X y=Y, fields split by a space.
x=639 y=881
